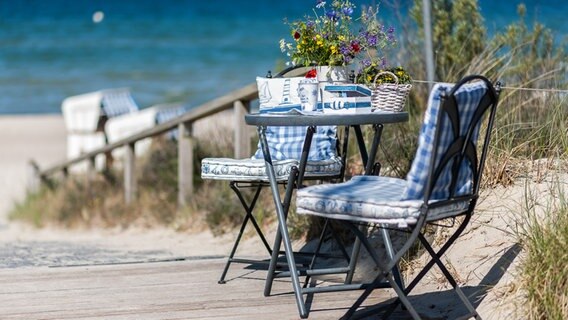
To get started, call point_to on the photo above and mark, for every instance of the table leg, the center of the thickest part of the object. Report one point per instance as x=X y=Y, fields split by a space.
x=280 y=214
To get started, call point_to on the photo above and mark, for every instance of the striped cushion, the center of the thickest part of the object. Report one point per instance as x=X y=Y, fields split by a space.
x=369 y=199
x=468 y=98
x=117 y=102
x=255 y=170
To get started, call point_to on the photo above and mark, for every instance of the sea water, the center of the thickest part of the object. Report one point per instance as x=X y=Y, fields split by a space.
x=167 y=51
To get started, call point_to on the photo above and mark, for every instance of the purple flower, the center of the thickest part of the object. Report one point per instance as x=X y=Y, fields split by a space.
x=391 y=30
x=348 y=11
x=344 y=50
x=366 y=63
x=310 y=24
x=331 y=14
x=371 y=39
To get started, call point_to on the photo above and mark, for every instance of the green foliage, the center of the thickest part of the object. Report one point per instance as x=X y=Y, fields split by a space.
x=530 y=58
x=458 y=32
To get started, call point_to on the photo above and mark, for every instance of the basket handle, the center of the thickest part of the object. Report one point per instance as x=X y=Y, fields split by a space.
x=385 y=72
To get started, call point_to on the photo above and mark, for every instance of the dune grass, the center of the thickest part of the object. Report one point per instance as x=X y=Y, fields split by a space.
x=543 y=231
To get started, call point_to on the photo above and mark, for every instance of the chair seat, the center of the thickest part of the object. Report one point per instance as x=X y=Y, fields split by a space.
x=255 y=170
x=371 y=199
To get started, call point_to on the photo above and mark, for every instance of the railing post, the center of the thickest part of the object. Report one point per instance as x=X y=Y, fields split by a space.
x=185 y=162
x=129 y=174
x=242 y=136
x=34 y=177
x=91 y=171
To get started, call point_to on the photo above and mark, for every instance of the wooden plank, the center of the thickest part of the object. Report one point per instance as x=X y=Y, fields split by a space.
x=242 y=137
x=129 y=174
x=172 y=290
x=185 y=163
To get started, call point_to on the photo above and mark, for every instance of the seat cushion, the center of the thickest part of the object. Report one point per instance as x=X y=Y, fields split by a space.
x=369 y=199
x=255 y=170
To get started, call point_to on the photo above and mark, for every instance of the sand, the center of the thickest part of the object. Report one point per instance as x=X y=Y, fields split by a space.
x=487 y=257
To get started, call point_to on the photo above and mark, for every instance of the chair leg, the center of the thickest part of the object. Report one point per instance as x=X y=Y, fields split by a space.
x=316 y=253
x=387 y=273
x=450 y=278
x=430 y=263
x=248 y=217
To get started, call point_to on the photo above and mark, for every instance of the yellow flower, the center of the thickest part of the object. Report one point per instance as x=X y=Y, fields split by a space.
x=299 y=46
x=318 y=36
x=333 y=49
x=341 y=38
x=319 y=43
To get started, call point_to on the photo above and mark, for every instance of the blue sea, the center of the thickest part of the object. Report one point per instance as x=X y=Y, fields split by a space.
x=185 y=51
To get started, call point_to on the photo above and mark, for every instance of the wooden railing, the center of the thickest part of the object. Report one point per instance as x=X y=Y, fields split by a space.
x=238 y=100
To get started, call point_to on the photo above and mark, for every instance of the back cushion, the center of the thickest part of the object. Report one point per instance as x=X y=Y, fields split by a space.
x=281 y=94
x=468 y=98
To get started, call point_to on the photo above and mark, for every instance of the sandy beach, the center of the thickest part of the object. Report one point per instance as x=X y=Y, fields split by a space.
x=38 y=137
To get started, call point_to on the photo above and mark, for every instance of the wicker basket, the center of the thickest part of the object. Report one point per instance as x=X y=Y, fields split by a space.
x=389 y=96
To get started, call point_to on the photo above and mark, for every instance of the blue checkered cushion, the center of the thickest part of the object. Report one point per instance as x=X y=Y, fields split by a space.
x=287 y=142
x=369 y=199
x=468 y=98
x=397 y=201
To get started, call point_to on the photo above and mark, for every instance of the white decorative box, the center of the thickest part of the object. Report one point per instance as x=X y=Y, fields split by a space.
x=347 y=99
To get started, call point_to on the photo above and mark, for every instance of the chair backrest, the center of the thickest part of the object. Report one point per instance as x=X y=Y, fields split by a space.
x=278 y=94
x=447 y=163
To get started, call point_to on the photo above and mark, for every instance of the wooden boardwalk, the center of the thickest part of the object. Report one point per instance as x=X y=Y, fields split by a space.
x=185 y=289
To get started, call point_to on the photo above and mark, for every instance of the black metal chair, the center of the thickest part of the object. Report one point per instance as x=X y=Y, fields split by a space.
x=443 y=183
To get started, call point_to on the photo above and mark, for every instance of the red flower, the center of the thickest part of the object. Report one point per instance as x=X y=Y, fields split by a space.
x=311 y=74
x=296 y=35
x=355 y=46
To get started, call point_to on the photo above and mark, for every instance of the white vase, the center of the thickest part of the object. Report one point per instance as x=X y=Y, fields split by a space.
x=328 y=75
x=332 y=74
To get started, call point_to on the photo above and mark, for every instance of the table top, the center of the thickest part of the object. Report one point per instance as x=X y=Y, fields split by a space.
x=324 y=119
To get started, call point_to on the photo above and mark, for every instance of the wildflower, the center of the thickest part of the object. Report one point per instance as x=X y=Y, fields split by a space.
x=311 y=74
x=355 y=46
x=332 y=15
x=348 y=11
